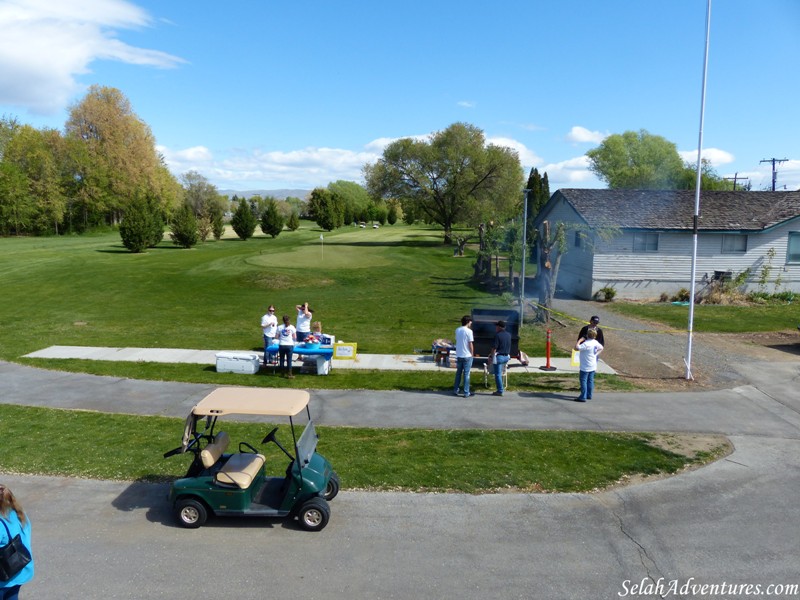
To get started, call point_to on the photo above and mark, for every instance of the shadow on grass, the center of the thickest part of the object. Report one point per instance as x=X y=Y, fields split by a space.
x=402 y=244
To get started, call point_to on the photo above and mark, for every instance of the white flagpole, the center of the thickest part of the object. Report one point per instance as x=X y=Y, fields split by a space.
x=698 y=181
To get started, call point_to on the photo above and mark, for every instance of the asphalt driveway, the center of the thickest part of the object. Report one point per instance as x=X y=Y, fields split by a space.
x=734 y=522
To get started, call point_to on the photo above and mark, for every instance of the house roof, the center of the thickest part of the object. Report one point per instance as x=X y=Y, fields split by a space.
x=657 y=209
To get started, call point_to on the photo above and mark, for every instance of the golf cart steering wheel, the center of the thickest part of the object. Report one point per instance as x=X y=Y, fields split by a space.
x=270 y=437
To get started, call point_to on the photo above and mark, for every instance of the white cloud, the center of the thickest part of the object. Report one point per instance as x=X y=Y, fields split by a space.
x=715 y=156
x=527 y=157
x=467 y=104
x=581 y=135
x=306 y=168
x=45 y=45
x=573 y=172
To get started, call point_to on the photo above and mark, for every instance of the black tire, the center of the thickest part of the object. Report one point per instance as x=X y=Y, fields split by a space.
x=332 y=488
x=191 y=513
x=314 y=514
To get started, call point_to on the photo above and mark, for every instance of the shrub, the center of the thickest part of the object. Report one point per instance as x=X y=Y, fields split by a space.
x=681 y=296
x=271 y=220
x=184 y=227
x=606 y=294
x=664 y=297
x=293 y=223
x=243 y=221
x=142 y=226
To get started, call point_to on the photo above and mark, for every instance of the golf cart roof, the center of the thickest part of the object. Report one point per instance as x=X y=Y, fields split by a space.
x=252 y=401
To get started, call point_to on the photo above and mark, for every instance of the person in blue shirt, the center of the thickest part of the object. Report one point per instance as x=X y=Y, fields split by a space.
x=501 y=354
x=18 y=523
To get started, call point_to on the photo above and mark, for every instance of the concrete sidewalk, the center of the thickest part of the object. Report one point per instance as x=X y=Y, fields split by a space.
x=382 y=362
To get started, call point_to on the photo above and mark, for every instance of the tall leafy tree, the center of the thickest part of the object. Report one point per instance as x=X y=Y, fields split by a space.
x=121 y=158
x=636 y=160
x=17 y=206
x=453 y=177
x=326 y=208
x=32 y=152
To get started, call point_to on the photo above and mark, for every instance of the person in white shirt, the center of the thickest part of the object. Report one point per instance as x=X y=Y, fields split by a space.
x=589 y=348
x=303 y=321
x=269 y=326
x=287 y=336
x=464 y=354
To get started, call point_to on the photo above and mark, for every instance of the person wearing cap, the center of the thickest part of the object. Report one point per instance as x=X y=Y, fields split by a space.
x=594 y=323
x=589 y=349
x=501 y=354
x=269 y=327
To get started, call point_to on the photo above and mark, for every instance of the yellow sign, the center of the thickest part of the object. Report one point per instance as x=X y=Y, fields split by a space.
x=343 y=351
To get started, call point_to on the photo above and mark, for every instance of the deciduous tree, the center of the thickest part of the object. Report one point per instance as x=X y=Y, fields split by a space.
x=453 y=177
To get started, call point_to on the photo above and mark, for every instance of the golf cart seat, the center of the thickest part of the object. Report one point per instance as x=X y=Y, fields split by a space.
x=241 y=469
x=212 y=453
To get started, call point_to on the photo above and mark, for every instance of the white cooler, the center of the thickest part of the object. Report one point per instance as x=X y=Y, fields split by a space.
x=238 y=362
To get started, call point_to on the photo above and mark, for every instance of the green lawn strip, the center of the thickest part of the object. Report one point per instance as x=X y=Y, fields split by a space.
x=72 y=443
x=714 y=318
x=533 y=380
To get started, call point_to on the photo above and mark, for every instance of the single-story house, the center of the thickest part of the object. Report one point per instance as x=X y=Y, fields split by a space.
x=640 y=242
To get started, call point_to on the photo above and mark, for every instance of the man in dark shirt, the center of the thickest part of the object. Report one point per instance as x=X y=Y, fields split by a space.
x=501 y=350
x=594 y=323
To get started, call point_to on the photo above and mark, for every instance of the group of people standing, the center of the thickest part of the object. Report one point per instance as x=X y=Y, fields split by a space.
x=465 y=353
x=286 y=334
x=589 y=345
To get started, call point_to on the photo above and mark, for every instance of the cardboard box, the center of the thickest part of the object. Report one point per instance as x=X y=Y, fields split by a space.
x=238 y=362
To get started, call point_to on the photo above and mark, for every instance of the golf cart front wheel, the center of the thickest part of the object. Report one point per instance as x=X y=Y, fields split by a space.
x=332 y=488
x=191 y=513
x=314 y=514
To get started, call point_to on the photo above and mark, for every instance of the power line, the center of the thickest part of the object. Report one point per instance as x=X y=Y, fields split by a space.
x=774 y=162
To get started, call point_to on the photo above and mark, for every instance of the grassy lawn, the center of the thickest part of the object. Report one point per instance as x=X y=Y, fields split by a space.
x=124 y=447
x=712 y=318
x=391 y=290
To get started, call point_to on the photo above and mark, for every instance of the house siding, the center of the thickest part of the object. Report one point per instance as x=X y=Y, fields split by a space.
x=575 y=270
x=647 y=275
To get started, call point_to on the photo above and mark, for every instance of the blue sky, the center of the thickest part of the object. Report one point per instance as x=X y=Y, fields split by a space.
x=258 y=94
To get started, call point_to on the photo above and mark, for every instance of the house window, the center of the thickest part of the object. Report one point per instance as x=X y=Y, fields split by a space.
x=578 y=239
x=734 y=244
x=793 y=253
x=645 y=242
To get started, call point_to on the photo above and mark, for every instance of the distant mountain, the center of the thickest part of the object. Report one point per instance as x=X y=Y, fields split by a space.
x=278 y=194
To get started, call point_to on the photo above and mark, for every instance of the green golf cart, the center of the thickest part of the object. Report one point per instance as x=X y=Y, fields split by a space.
x=236 y=483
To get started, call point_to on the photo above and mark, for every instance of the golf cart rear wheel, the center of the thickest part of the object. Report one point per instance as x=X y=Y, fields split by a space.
x=191 y=513
x=332 y=488
x=314 y=514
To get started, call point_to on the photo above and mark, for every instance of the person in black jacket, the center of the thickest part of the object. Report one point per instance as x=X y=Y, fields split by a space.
x=594 y=323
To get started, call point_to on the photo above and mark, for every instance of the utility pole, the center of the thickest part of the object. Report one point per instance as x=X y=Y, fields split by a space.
x=735 y=178
x=774 y=161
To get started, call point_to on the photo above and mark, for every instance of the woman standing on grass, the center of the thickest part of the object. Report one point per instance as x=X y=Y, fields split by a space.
x=17 y=522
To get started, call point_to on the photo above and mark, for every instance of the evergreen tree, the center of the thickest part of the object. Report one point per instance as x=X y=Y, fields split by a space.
x=243 y=221
x=184 y=227
x=142 y=226
x=271 y=220
x=293 y=222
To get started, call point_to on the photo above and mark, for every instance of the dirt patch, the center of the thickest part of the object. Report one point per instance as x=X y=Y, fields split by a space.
x=655 y=363
x=701 y=449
